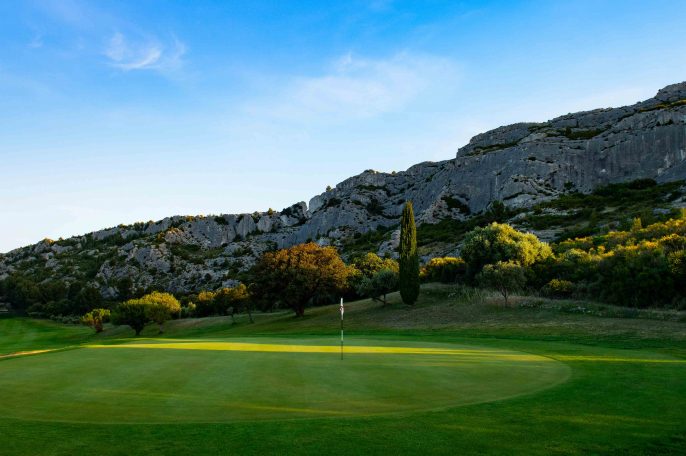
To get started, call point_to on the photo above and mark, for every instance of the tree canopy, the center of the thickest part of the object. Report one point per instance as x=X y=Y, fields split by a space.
x=296 y=275
x=504 y=276
x=500 y=242
x=378 y=285
x=131 y=313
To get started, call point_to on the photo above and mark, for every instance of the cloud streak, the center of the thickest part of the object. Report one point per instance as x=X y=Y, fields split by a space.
x=145 y=54
x=358 y=88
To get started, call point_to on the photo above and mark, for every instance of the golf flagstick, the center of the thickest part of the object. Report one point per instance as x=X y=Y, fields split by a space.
x=342 y=311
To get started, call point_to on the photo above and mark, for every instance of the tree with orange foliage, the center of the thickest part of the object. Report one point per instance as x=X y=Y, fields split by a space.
x=298 y=274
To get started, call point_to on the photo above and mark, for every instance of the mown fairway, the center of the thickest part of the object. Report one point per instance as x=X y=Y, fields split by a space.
x=223 y=381
x=490 y=383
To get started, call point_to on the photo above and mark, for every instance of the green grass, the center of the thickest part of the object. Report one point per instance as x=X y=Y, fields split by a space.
x=235 y=380
x=617 y=385
x=23 y=334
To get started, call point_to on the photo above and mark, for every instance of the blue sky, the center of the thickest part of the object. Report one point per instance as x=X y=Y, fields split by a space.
x=117 y=112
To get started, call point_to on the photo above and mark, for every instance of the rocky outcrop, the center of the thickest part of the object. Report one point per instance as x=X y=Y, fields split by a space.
x=520 y=165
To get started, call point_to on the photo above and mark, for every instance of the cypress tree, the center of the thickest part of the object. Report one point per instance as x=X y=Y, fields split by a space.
x=409 y=261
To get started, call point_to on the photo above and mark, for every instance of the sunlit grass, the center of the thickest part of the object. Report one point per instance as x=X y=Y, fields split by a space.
x=349 y=350
x=195 y=381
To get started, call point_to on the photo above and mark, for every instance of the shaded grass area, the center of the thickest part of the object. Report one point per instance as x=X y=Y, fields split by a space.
x=626 y=393
x=22 y=334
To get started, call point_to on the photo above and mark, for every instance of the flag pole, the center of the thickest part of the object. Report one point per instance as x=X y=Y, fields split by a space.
x=342 y=328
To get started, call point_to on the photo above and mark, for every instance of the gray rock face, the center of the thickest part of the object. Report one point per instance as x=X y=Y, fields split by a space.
x=246 y=225
x=520 y=164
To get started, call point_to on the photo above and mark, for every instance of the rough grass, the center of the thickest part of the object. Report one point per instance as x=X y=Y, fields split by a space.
x=626 y=391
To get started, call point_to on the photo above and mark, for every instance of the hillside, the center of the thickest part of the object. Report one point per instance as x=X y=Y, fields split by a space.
x=539 y=171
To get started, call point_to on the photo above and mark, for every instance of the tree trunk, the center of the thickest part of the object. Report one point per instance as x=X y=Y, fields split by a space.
x=299 y=310
x=247 y=308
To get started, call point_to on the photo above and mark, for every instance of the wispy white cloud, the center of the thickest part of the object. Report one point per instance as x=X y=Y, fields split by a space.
x=144 y=54
x=357 y=87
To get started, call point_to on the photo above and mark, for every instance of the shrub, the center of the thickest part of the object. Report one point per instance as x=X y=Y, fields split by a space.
x=443 y=269
x=187 y=311
x=558 y=288
x=95 y=319
x=206 y=305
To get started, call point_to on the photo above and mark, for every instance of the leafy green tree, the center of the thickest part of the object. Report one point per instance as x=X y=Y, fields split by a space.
x=371 y=263
x=637 y=276
x=234 y=300
x=298 y=275
x=131 y=313
x=160 y=307
x=379 y=285
x=364 y=267
x=504 y=276
x=409 y=261
x=501 y=243
x=96 y=318
x=20 y=291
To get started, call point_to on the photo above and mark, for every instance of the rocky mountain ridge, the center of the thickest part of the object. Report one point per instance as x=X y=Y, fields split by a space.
x=520 y=165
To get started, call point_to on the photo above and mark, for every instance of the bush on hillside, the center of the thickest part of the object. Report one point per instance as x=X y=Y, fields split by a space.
x=96 y=318
x=501 y=243
x=443 y=269
x=558 y=288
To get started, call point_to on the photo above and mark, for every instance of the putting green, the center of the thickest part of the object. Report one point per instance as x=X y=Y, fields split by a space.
x=158 y=381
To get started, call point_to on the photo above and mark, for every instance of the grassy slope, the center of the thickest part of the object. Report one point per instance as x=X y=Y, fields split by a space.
x=621 y=396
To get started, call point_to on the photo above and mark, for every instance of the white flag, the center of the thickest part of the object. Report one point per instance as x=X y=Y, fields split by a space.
x=342 y=309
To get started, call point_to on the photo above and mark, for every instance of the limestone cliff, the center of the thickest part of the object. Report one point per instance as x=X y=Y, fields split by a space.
x=520 y=165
